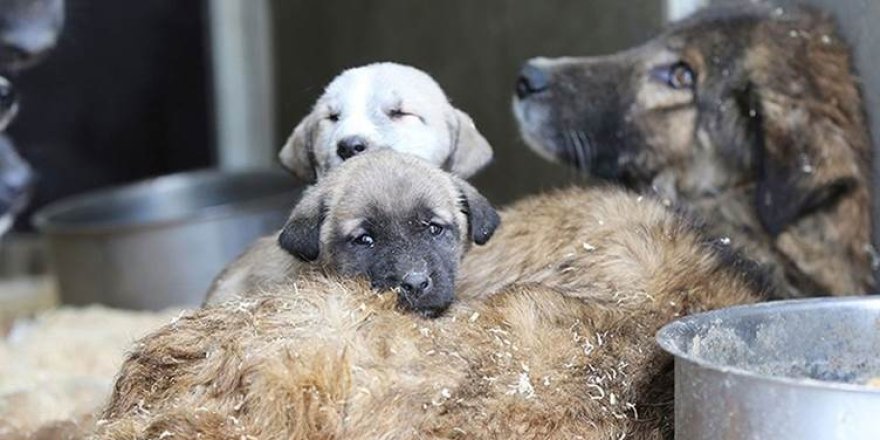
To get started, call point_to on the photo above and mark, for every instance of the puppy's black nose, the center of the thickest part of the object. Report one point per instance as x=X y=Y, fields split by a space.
x=351 y=146
x=416 y=284
x=532 y=80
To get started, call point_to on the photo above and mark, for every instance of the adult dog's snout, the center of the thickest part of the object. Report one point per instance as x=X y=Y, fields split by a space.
x=350 y=146
x=532 y=79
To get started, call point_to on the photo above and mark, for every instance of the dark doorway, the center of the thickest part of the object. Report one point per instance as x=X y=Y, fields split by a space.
x=125 y=96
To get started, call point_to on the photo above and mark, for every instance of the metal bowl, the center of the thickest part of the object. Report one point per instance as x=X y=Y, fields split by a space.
x=160 y=242
x=782 y=370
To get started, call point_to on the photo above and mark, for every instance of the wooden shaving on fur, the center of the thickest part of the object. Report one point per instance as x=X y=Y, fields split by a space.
x=523 y=386
x=601 y=391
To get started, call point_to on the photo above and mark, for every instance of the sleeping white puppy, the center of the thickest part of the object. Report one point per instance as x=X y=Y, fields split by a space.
x=384 y=105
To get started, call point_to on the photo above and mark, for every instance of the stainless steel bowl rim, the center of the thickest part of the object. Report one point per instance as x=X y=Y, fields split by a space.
x=42 y=219
x=667 y=336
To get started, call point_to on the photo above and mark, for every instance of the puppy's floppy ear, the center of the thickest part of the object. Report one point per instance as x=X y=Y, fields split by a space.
x=470 y=150
x=811 y=148
x=301 y=235
x=482 y=217
x=298 y=155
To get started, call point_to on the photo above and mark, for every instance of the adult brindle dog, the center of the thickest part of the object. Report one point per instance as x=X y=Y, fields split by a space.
x=751 y=118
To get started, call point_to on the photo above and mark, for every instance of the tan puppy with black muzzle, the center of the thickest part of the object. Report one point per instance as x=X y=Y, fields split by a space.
x=389 y=216
x=384 y=106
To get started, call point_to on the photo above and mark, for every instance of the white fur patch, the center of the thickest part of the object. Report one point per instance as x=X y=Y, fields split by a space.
x=366 y=99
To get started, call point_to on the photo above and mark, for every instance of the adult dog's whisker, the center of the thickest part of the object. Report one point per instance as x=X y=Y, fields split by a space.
x=571 y=146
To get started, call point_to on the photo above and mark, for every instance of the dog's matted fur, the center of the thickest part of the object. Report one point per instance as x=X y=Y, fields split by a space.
x=750 y=116
x=329 y=358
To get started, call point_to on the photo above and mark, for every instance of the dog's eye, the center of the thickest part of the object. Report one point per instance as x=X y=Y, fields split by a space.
x=333 y=117
x=679 y=76
x=364 y=240
x=397 y=113
x=435 y=229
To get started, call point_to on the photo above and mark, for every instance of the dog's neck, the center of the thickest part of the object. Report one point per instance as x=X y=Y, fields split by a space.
x=827 y=252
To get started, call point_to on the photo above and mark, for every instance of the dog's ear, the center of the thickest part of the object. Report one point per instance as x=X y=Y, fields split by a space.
x=804 y=160
x=812 y=149
x=298 y=155
x=788 y=189
x=301 y=235
x=470 y=150
x=482 y=217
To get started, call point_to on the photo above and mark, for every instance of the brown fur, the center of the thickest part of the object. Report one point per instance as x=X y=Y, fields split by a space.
x=769 y=146
x=558 y=345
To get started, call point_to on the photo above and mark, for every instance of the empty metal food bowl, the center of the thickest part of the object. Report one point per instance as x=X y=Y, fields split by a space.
x=160 y=242
x=781 y=370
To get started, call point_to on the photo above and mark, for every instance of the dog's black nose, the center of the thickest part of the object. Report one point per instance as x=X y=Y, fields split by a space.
x=416 y=284
x=532 y=79
x=351 y=146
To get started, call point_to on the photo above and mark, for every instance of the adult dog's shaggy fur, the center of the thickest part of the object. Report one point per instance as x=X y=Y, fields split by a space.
x=384 y=105
x=750 y=117
x=390 y=216
x=564 y=351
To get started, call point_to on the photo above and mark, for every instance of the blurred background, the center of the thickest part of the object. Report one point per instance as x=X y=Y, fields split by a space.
x=142 y=89
x=157 y=86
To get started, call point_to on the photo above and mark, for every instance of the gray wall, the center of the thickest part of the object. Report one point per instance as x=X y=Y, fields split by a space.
x=472 y=47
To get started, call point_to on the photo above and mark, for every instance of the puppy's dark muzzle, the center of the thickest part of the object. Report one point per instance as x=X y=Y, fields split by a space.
x=418 y=293
x=532 y=80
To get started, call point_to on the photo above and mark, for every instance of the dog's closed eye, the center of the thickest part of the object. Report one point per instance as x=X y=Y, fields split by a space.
x=399 y=113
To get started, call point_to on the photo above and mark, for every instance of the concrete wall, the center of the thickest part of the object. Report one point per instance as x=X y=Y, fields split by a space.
x=472 y=47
